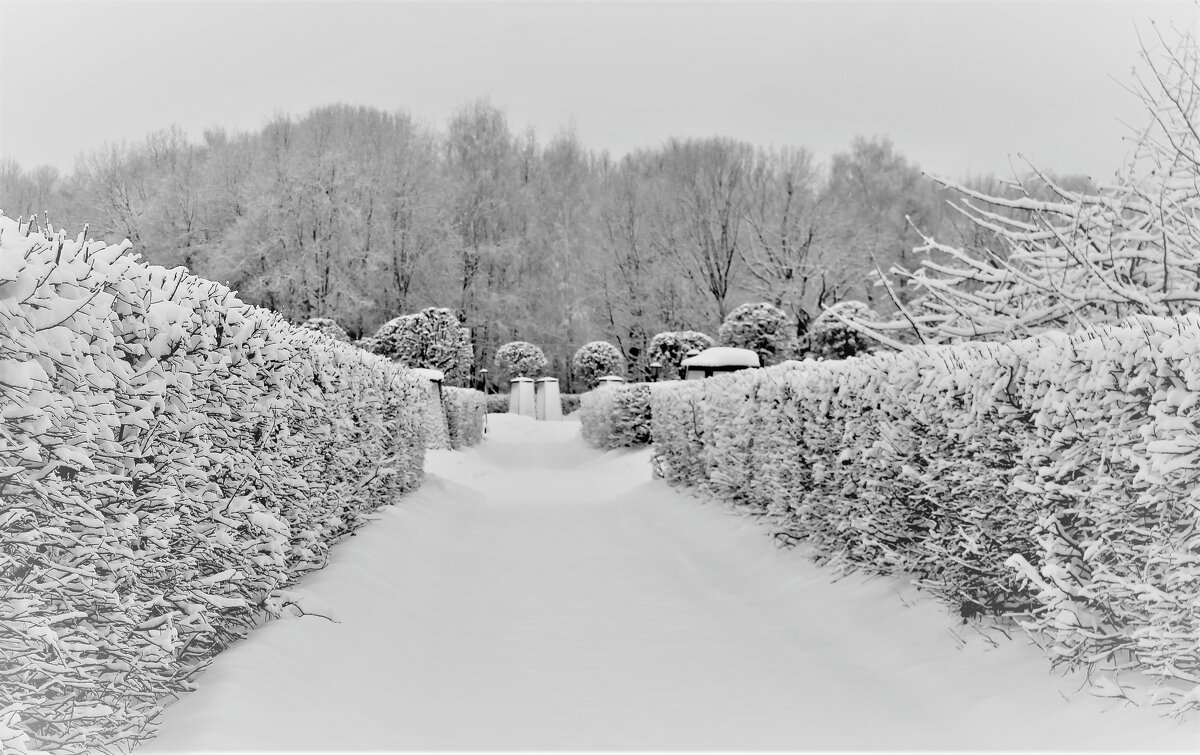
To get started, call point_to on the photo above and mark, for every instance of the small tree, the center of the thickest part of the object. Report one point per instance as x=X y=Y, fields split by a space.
x=519 y=359
x=830 y=337
x=671 y=347
x=327 y=327
x=760 y=327
x=431 y=338
x=595 y=360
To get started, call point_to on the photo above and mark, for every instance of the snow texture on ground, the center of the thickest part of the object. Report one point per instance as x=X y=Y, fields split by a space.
x=539 y=594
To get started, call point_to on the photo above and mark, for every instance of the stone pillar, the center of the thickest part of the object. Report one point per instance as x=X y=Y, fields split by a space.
x=608 y=380
x=520 y=397
x=549 y=405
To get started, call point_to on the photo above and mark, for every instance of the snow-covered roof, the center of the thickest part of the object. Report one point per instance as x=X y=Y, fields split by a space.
x=428 y=374
x=723 y=356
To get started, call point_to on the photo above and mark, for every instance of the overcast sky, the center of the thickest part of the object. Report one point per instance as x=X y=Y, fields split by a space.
x=960 y=87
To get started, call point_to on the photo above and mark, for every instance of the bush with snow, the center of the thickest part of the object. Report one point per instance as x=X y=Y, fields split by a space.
x=1046 y=481
x=497 y=403
x=465 y=409
x=326 y=326
x=616 y=416
x=760 y=327
x=596 y=359
x=671 y=347
x=570 y=402
x=170 y=460
x=519 y=359
x=433 y=339
x=829 y=337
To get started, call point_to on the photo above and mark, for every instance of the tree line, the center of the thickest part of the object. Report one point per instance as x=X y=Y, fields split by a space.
x=361 y=215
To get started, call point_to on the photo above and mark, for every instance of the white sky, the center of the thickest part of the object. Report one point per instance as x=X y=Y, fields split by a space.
x=960 y=87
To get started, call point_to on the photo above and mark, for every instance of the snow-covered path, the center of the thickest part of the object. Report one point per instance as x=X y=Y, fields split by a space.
x=538 y=594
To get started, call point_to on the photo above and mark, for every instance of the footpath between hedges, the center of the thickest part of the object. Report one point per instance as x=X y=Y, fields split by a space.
x=539 y=594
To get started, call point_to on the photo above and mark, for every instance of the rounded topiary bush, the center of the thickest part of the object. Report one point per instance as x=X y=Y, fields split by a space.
x=830 y=338
x=326 y=326
x=432 y=338
x=519 y=359
x=671 y=347
x=596 y=359
x=760 y=327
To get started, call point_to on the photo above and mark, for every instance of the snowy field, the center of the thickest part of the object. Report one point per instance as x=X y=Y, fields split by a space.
x=539 y=594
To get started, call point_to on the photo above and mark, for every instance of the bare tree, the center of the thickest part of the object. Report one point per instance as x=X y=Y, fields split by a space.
x=1082 y=256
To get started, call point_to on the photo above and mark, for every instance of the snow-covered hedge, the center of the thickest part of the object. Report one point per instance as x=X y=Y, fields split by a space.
x=570 y=402
x=616 y=416
x=170 y=460
x=1050 y=481
x=465 y=409
x=328 y=326
x=497 y=403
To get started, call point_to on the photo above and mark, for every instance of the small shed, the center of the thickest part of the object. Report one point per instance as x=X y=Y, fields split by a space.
x=716 y=360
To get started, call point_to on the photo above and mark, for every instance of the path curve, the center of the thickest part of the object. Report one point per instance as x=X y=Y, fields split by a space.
x=539 y=594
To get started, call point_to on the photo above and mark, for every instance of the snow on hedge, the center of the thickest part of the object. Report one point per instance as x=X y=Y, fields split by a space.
x=465 y=410
x=1051 y=481
x=171 y=460
x=616 y=416
x=328 y=326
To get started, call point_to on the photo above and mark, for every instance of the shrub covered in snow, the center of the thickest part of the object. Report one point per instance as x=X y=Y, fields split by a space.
x=670 y=348
x=170 y=460
x=760 y=327
x=437 y=433
x=1049 y=481
x=327 y=326
x=831 y=338
x=432 y=338
x=464 y=415
x=519 y=359
x=497 y=403
x=616 y=416
x=596 y=359
x=569 y=401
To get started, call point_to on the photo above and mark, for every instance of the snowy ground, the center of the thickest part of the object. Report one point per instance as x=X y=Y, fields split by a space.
x=538 y=594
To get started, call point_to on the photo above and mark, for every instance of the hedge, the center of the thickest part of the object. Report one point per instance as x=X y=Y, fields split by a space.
x=170 y=460
x=465 y=409
x=497 y=403
x=1049 y=481
x=616 y=416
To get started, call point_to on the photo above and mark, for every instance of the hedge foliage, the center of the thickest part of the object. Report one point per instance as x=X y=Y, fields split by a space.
x=616 y=416
x=170 y=460
x=1051 y=481
x=465 y=409
x=327 y=326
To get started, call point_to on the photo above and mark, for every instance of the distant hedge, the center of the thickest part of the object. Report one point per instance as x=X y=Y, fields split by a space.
x=616 y=416
x=170 y=460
